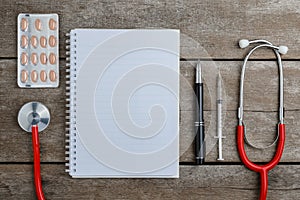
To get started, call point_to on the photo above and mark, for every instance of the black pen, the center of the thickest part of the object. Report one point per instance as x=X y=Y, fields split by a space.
x=200 y=137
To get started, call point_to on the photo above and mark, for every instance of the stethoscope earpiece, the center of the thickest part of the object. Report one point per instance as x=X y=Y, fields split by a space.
x=243 y=43
x=241 y=128
x=283 y=49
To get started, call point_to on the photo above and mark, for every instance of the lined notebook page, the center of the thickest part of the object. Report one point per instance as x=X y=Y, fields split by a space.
x=127 y=112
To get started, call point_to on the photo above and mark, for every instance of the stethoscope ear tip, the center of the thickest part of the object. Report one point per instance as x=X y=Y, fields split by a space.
x=283 y=49
x=243 y=43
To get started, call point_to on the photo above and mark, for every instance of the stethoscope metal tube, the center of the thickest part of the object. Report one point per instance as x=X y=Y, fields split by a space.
x=241 y=107
x=241 y=130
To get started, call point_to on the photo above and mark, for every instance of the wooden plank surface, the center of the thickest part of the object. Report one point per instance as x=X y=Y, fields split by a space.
x=261 y=130
x=260 y=117
x=260 y=89
x=195 y=182
x=209 y=29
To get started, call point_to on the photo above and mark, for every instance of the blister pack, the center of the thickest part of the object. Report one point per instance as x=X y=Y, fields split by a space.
x=38 y=50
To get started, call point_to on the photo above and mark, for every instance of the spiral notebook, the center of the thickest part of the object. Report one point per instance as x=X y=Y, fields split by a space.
x=123 y=103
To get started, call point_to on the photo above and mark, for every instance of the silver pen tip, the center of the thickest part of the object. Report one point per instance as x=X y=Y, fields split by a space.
x=198 y=73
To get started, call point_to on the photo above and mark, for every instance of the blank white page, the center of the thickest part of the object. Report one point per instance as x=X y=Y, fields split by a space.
x=126 y=122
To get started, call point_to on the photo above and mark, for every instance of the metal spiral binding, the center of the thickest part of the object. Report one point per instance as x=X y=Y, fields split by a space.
x=70 y=103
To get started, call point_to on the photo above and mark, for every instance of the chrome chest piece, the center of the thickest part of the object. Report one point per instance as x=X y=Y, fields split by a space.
x=34 y=117
x=33 y=113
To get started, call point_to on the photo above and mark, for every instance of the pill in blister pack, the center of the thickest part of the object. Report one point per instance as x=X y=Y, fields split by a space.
x=38 y=58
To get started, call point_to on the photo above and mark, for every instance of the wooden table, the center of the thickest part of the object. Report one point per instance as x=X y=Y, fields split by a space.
x=210 y=30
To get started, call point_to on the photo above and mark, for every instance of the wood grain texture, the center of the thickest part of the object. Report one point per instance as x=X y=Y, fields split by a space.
x=261 y=85
x=260 y=104
x=196 y=182
x=261 y=130
x=209 y=29
x=15 y=144
x=261 y=125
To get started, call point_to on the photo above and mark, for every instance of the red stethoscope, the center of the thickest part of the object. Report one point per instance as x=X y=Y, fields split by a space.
x=241 y=128
x=34 y=117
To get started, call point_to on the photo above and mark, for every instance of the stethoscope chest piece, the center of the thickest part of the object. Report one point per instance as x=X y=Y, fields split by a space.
x=33 y=113
x=34 y=117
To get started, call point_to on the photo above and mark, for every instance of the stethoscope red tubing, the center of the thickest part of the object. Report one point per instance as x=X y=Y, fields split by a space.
x=261 y=169
x=37 y=165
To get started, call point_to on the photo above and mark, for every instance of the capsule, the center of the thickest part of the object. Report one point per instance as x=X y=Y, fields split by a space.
x=43 y=76
x=24 y=76
x=38 y=24
x=34 y=41
x=43 y=58
x=24 y=24
x=34 y=58
x=52 y=24
x=24 y=58
x=43 y=41
x=34 y=76
x=52 y=41
x=52 y=76
x=24 y=41
x=52 y=58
